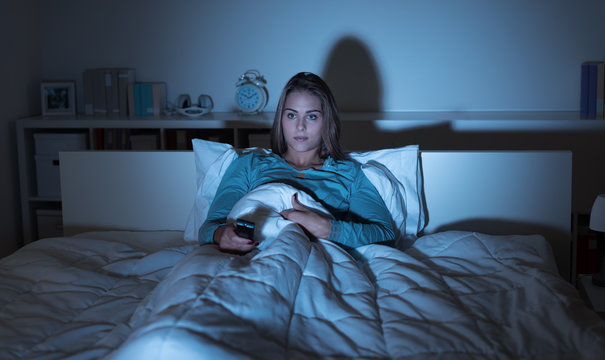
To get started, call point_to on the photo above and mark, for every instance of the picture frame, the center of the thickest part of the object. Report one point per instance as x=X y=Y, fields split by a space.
x=58 y=97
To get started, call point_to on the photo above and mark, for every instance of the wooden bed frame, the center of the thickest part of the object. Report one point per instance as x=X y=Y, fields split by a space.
x=495 y=192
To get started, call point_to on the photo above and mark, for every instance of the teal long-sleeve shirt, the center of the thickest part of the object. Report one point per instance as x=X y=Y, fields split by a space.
x=361 y=217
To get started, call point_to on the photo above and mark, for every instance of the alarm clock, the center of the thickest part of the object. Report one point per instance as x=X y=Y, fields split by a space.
x=251 y=95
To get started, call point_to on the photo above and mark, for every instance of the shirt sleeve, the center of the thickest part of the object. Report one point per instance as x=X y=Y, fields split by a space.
x=234 y=185
x=368 y=220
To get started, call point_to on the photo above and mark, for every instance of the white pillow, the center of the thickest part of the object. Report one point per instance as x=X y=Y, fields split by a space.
x=394 y=172
x=211 y=161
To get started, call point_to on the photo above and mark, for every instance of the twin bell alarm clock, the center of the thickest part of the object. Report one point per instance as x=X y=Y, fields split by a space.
x=251 y=95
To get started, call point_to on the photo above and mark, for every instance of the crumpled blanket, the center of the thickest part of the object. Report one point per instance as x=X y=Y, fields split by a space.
x=73 y=297
x=451 y=295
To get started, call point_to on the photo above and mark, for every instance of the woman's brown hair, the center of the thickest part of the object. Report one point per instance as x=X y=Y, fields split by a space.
x=330 y=137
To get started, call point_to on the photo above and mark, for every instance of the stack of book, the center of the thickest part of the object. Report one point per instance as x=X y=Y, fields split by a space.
x=106 y=91
x=593 y=90
x=115 y=92
x=146 y=98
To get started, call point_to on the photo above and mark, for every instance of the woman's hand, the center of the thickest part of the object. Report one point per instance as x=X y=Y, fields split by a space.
x=312 y=222
x=227 y=240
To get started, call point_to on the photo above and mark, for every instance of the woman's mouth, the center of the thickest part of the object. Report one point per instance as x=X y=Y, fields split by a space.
x=300 y=138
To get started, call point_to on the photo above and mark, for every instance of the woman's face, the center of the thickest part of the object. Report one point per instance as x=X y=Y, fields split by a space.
x=302 y=122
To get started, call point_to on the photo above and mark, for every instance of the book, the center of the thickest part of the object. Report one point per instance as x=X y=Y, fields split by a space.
x=584 y=91
x=99 y=139
x=600 y=92
x=106 y=91
x=592 y=97
x=110 y=80
x=146 y=94
x=159 y=98
x=126 y=77
x=89 y=95
x=148 y=98
x=130 y=100
x=115 y=93
x=144 y=142
x=592 y=90
x=100 y=102
x=109 y=139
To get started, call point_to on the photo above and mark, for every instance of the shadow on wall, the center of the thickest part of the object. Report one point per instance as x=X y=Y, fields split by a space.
x=353 y=77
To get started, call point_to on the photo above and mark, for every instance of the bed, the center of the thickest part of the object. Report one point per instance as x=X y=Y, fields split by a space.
x=480 y=268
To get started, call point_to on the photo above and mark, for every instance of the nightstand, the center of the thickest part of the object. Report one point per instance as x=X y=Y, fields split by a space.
x=594 y=296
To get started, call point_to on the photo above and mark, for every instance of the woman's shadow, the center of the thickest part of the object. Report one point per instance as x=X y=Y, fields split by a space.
x=353 y=77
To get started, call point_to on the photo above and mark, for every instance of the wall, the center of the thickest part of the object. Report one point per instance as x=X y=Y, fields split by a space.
x=396 y=55
x=21 y=72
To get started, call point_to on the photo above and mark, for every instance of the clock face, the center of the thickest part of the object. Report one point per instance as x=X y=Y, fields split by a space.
x=250 y=98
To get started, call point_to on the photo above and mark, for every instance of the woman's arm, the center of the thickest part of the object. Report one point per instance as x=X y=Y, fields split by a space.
x=369 y=220
x=317 y=225
x=234 y=185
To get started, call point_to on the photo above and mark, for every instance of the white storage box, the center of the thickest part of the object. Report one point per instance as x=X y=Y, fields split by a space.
x=50 y=223
x=51 y=144
x=47 y=147
x=48 y=176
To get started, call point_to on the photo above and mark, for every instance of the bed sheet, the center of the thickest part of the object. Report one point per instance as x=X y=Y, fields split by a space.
x=73 y=297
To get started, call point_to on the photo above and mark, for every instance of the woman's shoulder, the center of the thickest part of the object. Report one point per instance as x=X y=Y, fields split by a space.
x=349 y=166
x=256 y=158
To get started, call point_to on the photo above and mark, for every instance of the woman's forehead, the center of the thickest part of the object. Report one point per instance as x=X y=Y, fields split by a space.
x=304 y=99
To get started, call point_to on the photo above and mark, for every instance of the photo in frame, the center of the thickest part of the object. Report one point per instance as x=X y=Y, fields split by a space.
x=58 y=97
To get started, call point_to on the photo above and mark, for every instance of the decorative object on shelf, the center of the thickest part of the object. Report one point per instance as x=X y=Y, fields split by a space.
x=597 y=223
x=183 y=101
x=251 y=95
x=58 y=97
x=204 y=105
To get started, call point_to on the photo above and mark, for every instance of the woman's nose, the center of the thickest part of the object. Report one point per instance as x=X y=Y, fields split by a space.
x=300 y=124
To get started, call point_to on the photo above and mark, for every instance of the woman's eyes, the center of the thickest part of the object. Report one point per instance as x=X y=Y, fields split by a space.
x=310 y=116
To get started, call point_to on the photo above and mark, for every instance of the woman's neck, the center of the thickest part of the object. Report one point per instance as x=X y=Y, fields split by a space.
x=304 y=162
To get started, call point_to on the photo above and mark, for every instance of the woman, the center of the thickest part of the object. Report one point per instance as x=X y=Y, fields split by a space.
x=306 y=154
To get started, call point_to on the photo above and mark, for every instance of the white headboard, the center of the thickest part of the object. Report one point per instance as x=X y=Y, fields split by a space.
x=126 y=190
x=497 y=192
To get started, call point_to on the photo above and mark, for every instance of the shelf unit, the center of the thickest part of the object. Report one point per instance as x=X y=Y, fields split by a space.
x=361 y=131
x=225 y=127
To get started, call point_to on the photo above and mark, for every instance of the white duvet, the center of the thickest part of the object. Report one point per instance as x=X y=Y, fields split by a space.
x=451 y=295
x=73 y=297
x=455 y=294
